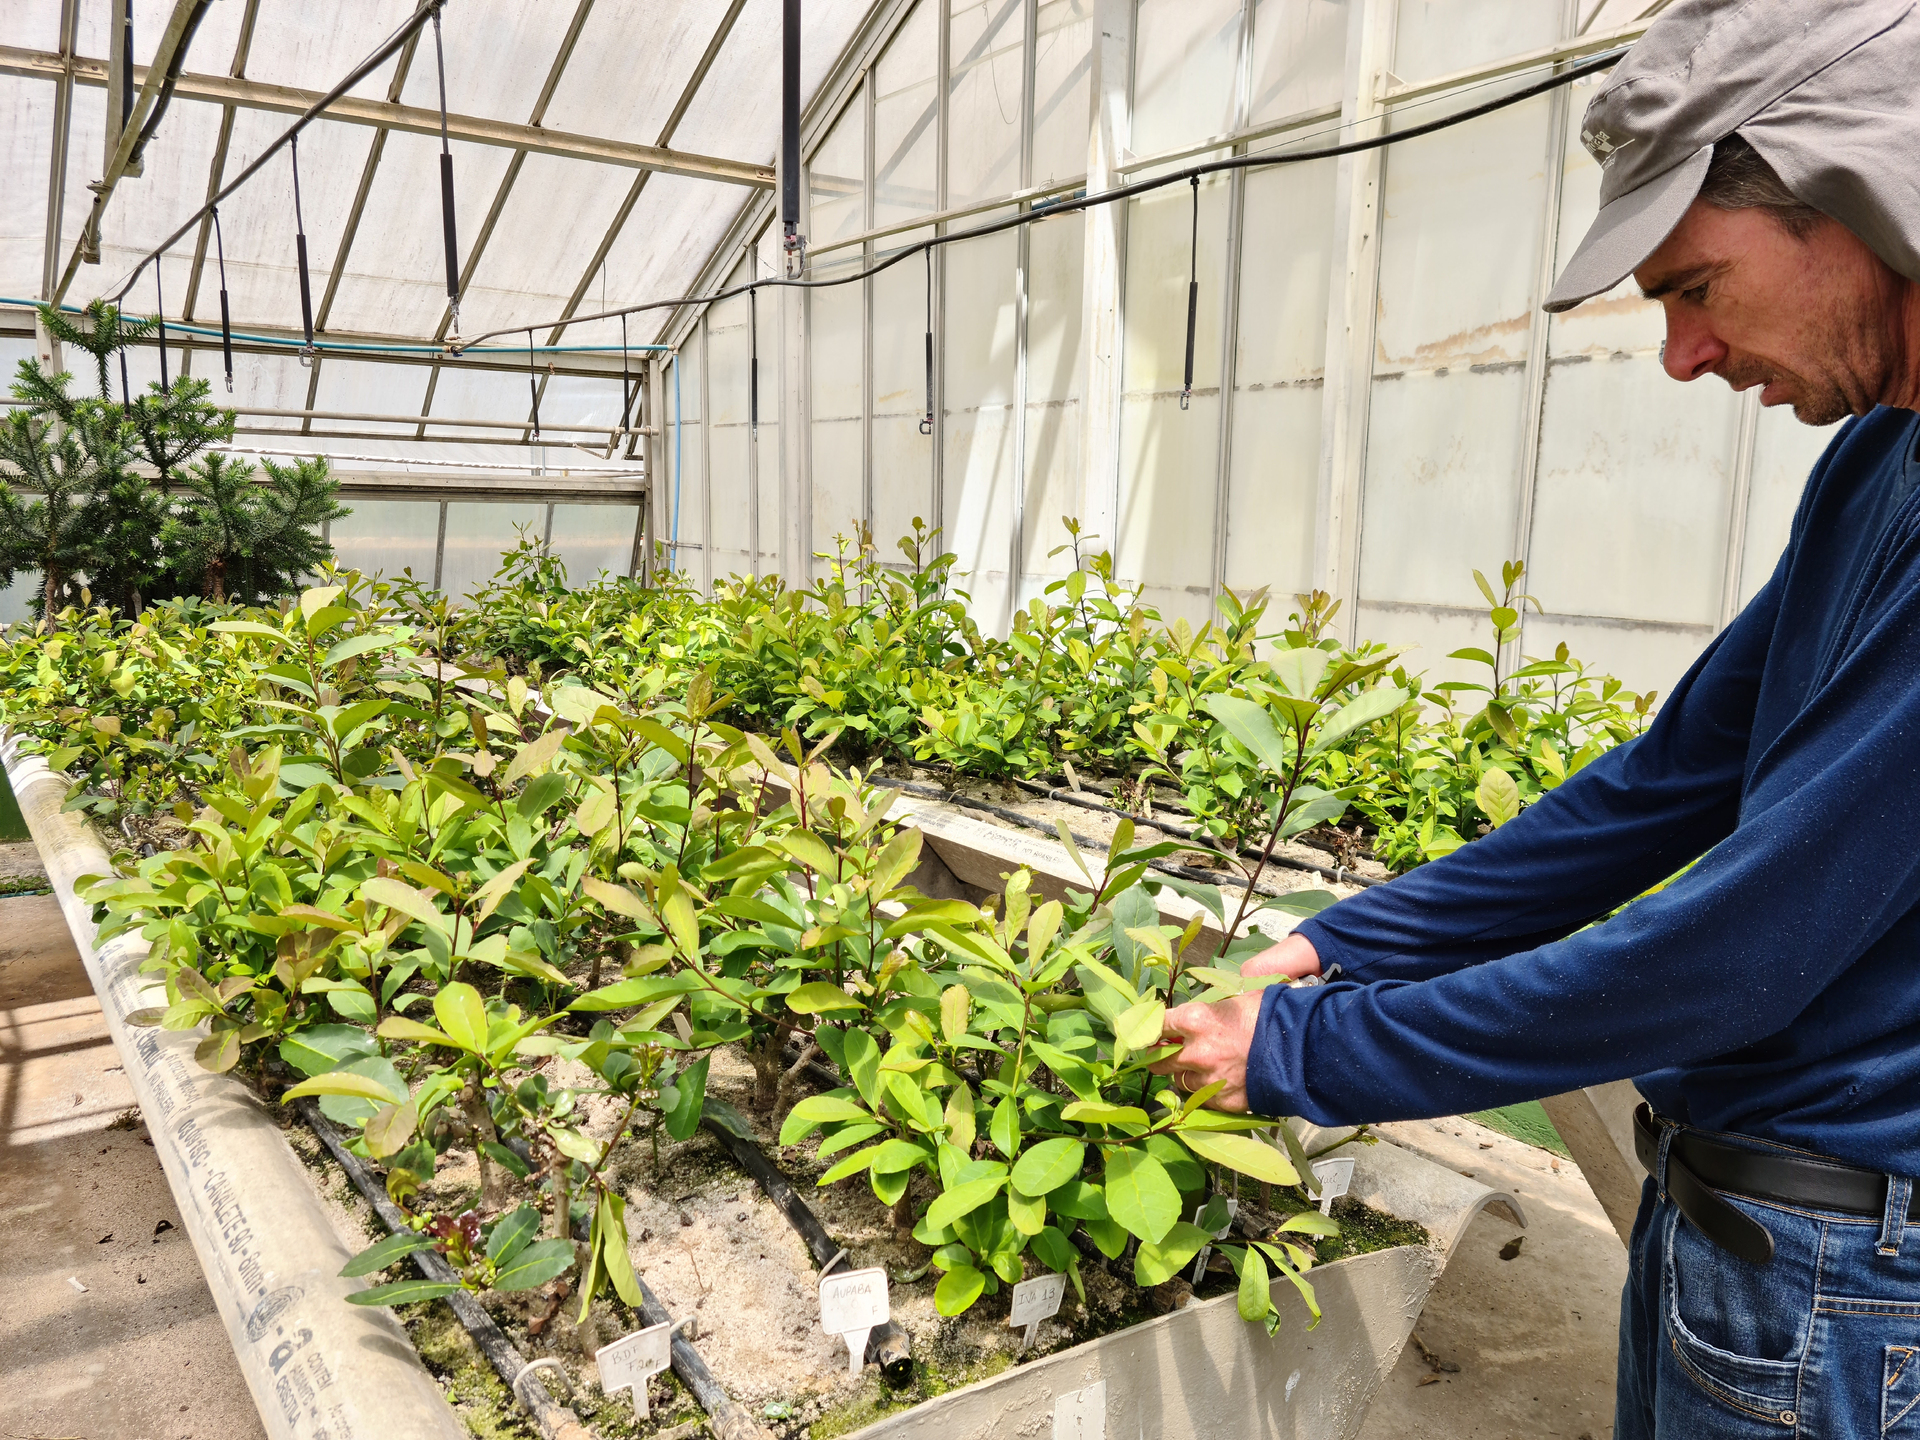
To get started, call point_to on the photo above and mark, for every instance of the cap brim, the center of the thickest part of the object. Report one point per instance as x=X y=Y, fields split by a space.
x=1627 y=230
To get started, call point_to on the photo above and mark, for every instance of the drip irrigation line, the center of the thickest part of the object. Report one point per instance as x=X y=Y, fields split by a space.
x=446 y=184
x=555 y=1421
x=888 y=1346
x=226 y=315
x=1193 y=295
x=1067 y=205
x=386 y=50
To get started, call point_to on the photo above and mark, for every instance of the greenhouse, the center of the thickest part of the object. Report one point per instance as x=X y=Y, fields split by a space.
x=956 y=717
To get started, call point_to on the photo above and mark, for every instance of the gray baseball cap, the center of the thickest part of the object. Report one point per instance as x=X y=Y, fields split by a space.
x=1827 y=92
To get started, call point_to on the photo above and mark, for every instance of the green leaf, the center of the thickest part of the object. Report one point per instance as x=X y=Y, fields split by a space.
x=958 y=1289
x=821 y=996
x=512 y=1233
x=682 y=1118
x=463 y=1015
x=1028 y=1213
x=1243 y=1153
x=1140 y=1196
x=536 y=1265
x=824 y=1109
x=1253 y=727
x=398 y=895
x=1256 y=1292
x=320 y=1048
x=1376 y=703
x=1310 y=1222
x=1299 y=670
x=1138 y=1027
x=854 y=1164
x=898 y=1155
x=1004 y=1128
x=382 y=1253
x=1497 y=796
x=1049 y=1165
x=1098 y=1112
x=389 y=1129
x=617 y=898
x=402 y=1292
x=341 y=1082
x=1161 y=1260
x=247 y=627
x=610 y=1243
x=965 y=1199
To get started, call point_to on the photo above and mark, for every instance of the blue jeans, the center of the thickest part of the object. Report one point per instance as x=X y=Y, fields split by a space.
x=1821 y=1343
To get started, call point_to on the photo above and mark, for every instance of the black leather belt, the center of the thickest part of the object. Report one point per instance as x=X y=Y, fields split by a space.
x=1699 y=1167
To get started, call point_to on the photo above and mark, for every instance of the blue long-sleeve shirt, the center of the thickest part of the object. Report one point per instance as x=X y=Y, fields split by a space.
x=1774 y=989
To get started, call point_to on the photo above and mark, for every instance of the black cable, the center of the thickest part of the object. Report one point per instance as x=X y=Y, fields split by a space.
x=753 y=363
x=446 y=184
x=126 y=67
x=1118 y=193
x=1193 y=295
x=300 y=250
x=160 y=311
x=533 y=386
x=388 y=48
x=226 y=317
x=926 y=421
x=626 y=403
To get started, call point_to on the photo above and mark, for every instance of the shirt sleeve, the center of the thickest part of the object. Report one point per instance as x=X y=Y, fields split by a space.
x=1826 y=858
x=1622 y=824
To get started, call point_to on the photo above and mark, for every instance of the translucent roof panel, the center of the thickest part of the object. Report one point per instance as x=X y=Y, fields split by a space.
x=369 y=198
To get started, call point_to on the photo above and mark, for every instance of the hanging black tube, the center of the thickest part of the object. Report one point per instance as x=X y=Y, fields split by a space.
x=926 y=421
x=160 y=313
x=300 y=248
x=126 y=391
x=446 y=185
x=626 y=400
x=790 y=118
x=1193 y=295
x=753 y=364
x=533 y=386
x=126 y=67
x=226 y=318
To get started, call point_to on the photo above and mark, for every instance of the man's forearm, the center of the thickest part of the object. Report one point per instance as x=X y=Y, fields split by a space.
x=1294 y=957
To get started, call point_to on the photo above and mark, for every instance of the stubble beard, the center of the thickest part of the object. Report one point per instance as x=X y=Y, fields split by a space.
x=1847 y=371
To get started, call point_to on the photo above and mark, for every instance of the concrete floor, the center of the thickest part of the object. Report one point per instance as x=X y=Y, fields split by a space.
x=107 y=1331
x=1513 y=1347
x=1532 y=1336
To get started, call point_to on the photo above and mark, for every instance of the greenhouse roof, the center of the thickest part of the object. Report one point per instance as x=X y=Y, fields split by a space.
x=600 y=151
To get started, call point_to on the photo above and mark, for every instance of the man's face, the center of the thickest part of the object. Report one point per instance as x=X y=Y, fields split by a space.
x=1810 y=320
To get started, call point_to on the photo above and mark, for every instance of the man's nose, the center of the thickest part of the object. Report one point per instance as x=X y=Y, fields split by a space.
x=1692 y=349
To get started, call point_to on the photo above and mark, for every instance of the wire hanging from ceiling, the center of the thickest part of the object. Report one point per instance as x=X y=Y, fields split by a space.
x=926 y=420
x=226 y=315
x=300 y=252
x=1193 y=296
x=753 y=362
x=446 y=185
x=160 y=309
x=533 y=385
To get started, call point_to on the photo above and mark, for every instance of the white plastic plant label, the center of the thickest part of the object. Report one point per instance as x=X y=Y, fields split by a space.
x=1081 y=1414
x=628 y=1363
x=1033 y=1301
x=1206 y=1251
x=852 y=1303
x=1334 y=1177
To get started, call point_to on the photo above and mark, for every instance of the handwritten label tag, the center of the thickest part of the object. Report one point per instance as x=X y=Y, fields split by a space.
x=1081 y=1414
x=628 y=1363
x=1033 y=1301
x=852 y=1303
x=1334 y=1177
x=1206 y=1251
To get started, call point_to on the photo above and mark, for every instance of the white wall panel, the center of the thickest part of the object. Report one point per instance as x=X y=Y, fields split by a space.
x=986 y=39
x=836 y=180
x=1299 y=56
x=905 y=110
x=1061 y=67
x=1185 y=71
x=1632 y=505
x=1438 y=37
x=593 y=540
x=1055 y=481
x=387 y=537
x=478 y=534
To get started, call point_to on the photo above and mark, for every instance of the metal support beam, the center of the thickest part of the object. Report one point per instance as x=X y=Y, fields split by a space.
x=1351 y=304
x=1101 y=318
x=413 y=119
x=173 y=42
x=46 y=348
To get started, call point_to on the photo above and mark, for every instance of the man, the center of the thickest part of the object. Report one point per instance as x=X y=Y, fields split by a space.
x=1762 y=182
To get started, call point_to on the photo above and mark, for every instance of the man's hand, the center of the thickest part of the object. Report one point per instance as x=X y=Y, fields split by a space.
x=1214 y=1039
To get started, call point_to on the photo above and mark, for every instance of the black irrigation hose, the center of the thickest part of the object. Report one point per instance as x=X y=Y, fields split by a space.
x=300 y=254
x=556 y=1421
x=1338 y=874
x=226 y=316
x=1193 y=295
x=888 y=1346
x=1605 y=60
x=446 y=184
